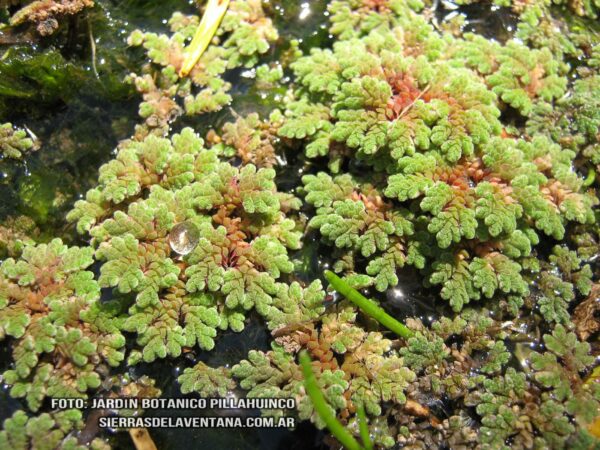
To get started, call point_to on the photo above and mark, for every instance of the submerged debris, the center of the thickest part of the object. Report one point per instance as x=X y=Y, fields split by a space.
x=45 y=14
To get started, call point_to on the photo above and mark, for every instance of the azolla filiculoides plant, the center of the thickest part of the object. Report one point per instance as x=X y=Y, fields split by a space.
x=400 y=160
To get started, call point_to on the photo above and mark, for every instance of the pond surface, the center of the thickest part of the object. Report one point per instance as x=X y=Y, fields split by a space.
x=75 y=102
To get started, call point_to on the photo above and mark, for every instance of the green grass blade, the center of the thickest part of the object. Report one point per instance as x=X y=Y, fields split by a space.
x=367 y=306
x=363 y=428
x=215 y=10
x=318 y=399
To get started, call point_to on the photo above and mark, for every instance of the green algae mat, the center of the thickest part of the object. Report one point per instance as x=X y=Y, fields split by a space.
x=361 y=224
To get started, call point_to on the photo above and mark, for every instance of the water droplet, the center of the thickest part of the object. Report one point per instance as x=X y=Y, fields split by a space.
x=184 y=237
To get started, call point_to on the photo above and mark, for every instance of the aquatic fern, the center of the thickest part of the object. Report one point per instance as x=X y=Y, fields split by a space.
x=233 y=226
x=14 y=142
x=62 y=335
x=47 y=431
x=244 y=35
x=207 y=381
x=382 y=103
x=368 y=375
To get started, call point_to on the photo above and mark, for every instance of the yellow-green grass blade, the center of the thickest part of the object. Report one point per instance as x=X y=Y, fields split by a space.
x=215 y=10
